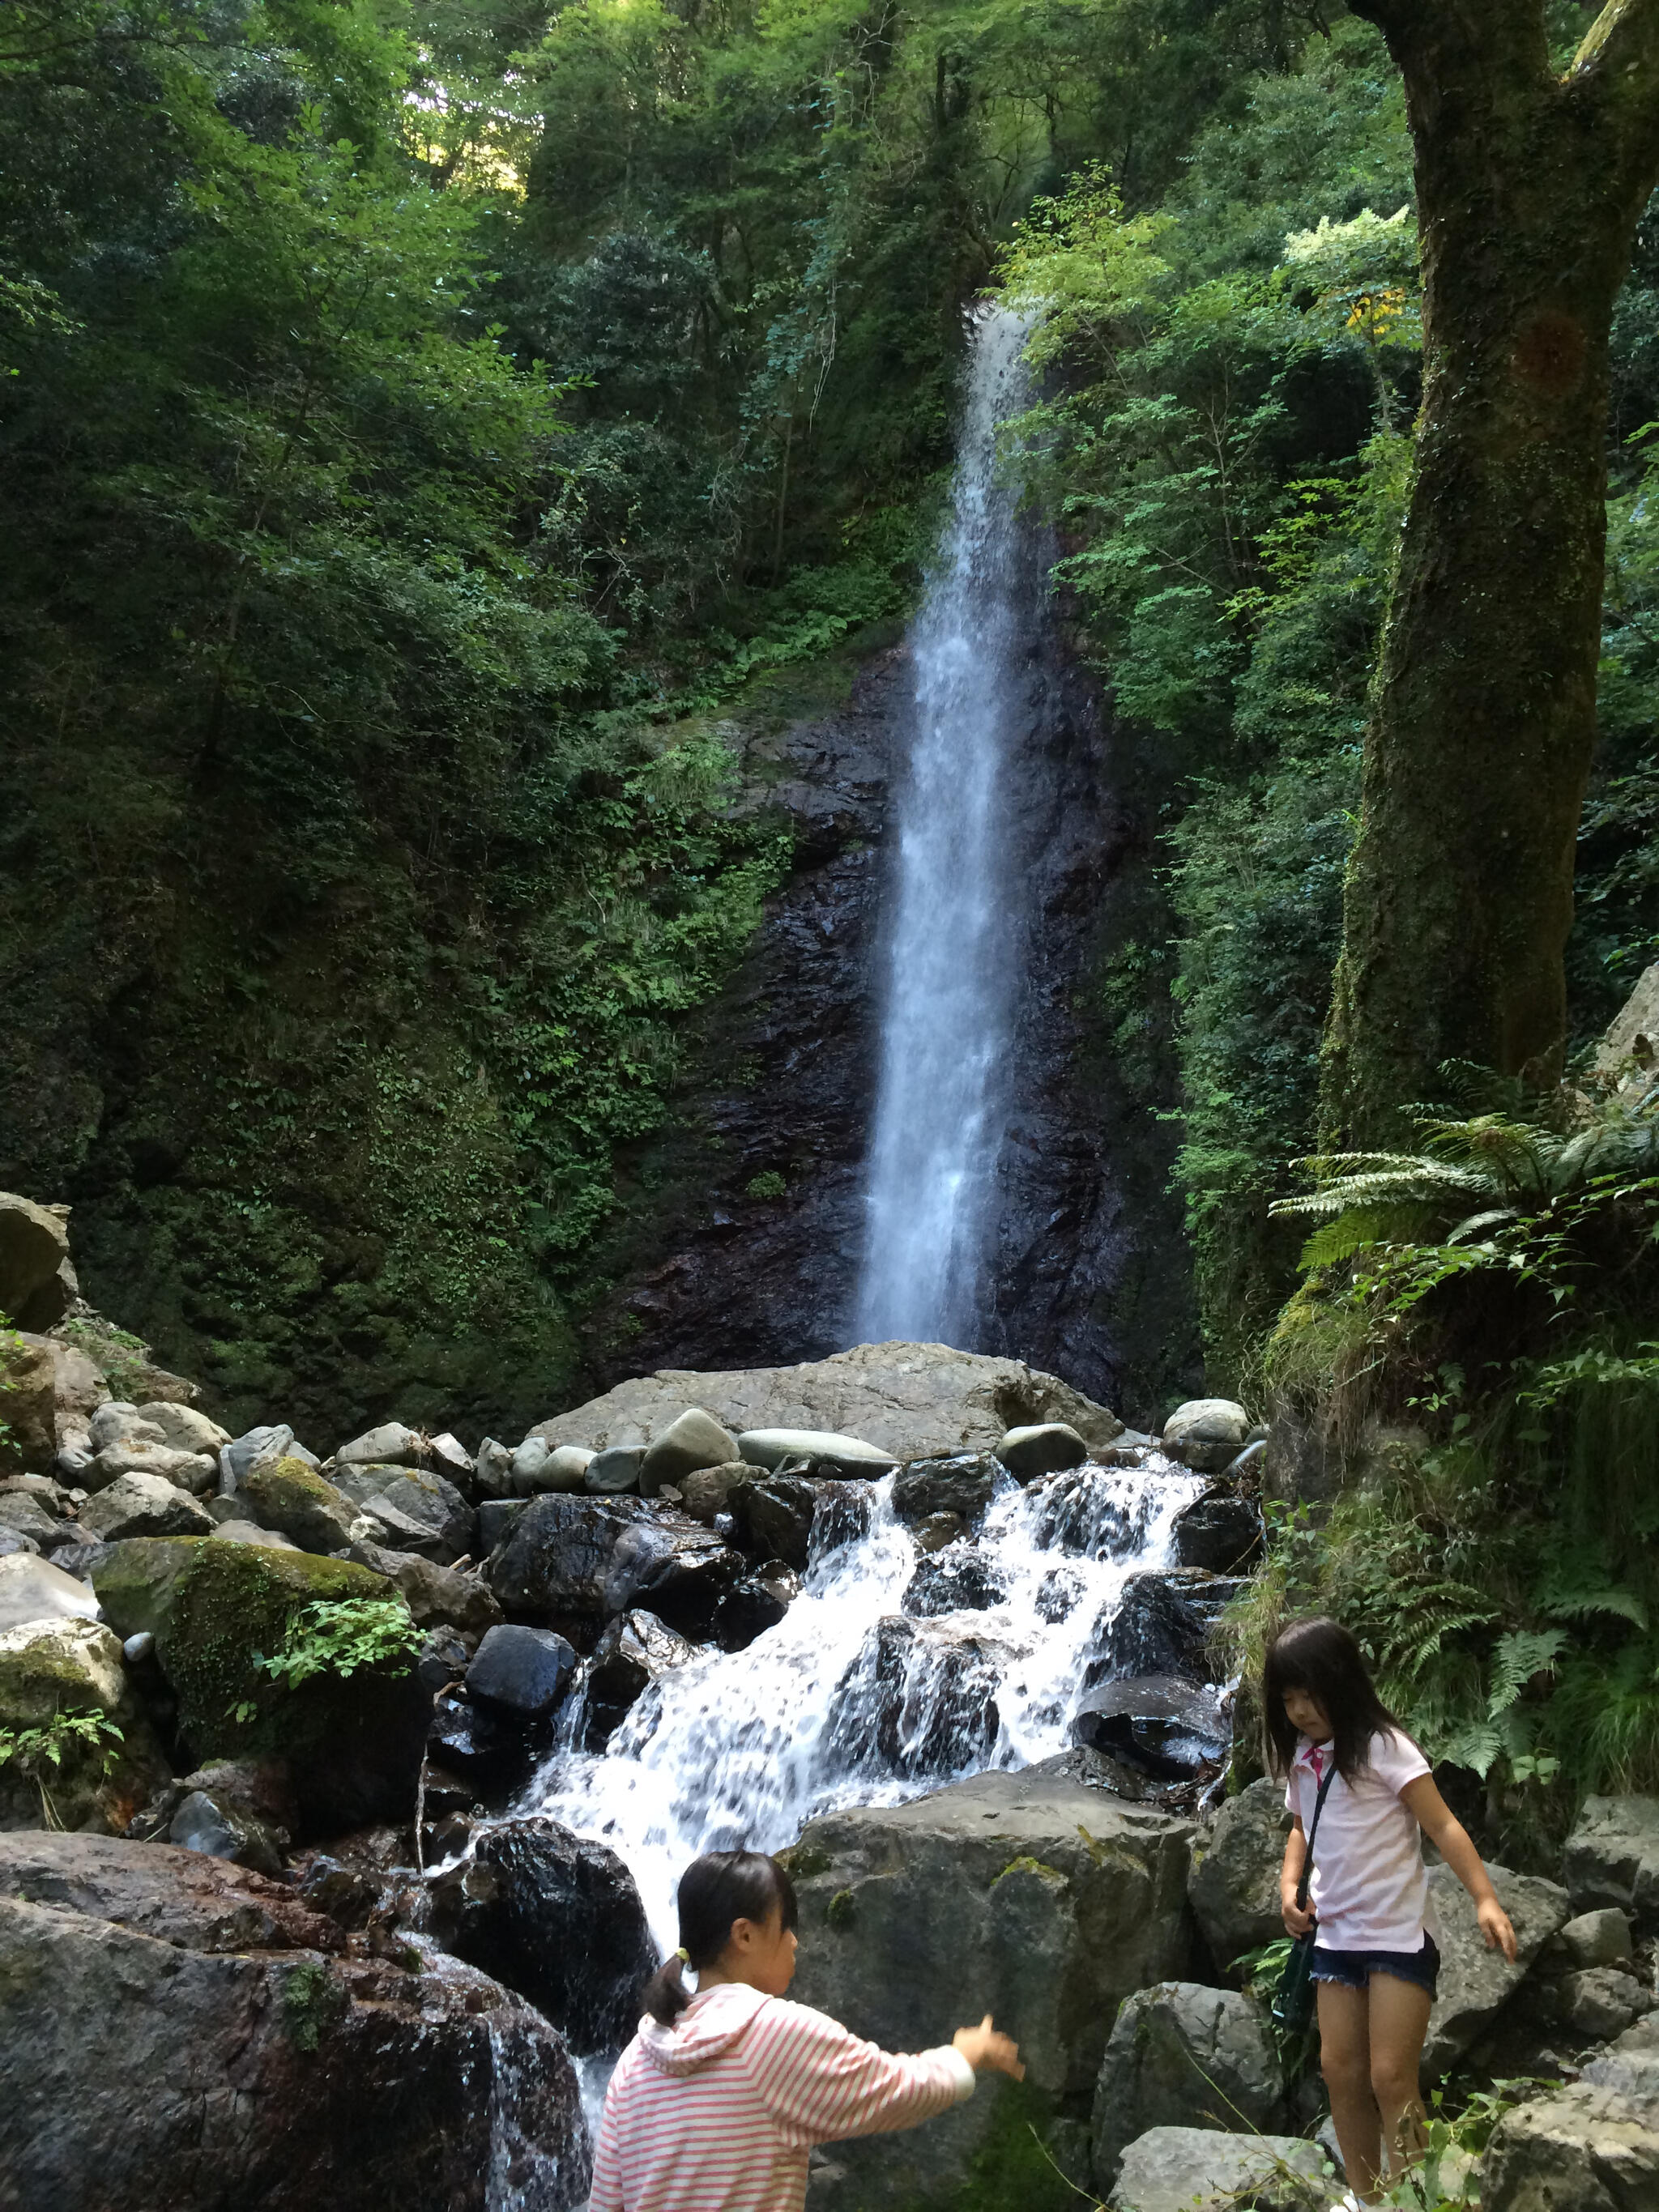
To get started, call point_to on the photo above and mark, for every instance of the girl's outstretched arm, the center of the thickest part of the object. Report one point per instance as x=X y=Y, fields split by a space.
x=1451 y=1840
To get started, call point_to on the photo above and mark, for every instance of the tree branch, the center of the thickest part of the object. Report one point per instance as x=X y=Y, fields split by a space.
x=1618 y=65
x=1482 y=45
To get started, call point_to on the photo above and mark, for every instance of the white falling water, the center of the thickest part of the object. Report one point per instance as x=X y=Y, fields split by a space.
x=826 y=1709
x=955 y=948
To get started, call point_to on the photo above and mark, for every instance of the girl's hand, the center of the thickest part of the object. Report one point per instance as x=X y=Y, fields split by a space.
x=982 y=2047
x=1299 y=1918
x=1496 y=1927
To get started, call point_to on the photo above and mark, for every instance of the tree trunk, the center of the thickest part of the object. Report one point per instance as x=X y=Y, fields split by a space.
x=1458 y=893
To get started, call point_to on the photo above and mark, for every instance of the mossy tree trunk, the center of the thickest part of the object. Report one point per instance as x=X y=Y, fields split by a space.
x=1458 y=893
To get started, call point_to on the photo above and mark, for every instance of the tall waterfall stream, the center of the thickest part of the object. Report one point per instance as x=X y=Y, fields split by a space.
x=955 y=946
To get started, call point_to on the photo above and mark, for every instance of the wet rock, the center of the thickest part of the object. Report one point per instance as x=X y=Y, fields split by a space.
x=914 y=1702
x=522 y=1669
x=217 y=2047
x=557 y=1918
x=205 y=1823
x=35 y=1273
x=485 y=1746
x=72 y=1667
x=1582 y=2148
x=495 y=1517
x=959 y=1579
x=842 y=1515
x=443 y=1658
x=185 y=1429
x=285 y=1495
x=1036 y=1898
x=553 y=1566
x=1597 y=1939
x=1206 y=1434
x=822 y=1450
x=774 y=1515
x=1163 y=1625
x=1613 y=1858
x=963 y=1486
x=143 y=1505
x=1173 y=1729
x=908 y=1401
x=1220 y=1531
x=694 y=1440
x=432 y=1593
x=1182 y=2056
x=28 y=1380
x=938 y=1530
x=391 y=1444
x=1046 y=1448
x=611 y=1473
x=1195 y=2170
x=635 y=1651
x=1474 y=1982
x=1234 y=1882
x=700 y=1586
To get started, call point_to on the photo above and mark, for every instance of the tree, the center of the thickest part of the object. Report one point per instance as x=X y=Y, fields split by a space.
x=1458 y=893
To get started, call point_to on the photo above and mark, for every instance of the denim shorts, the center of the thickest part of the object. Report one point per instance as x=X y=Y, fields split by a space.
x=1353 y=1970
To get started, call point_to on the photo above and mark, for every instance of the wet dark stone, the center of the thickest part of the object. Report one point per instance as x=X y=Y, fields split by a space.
x=553 y=1566
x=1171 y=1728
x=1162 y=1626
x=774 y=1514
x=914 y=1706
x=523 y=1670
x=842 y=1516
x=958 y=1579
x=1081 y=1512
x=487 y=1749
x=442 y=1659
x=556 y=1918
x=963 y=1484
x=703 y=1587
x=634 y=1649
x=1220 y=1531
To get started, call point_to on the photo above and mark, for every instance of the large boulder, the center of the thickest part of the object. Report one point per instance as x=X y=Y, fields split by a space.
x=913 y=1401
x=1181 y=2055
x=35 y=1589
x=1193 y=2170
x=523 y=1670
x=353 y=1742
x=36 y=1279
x=694 y=1440
x=57 y=1672
x=635 y=1651
x=1026 y=1895
x=557 y=1918
x=1582 y=2148
x=143 y=1505
x=1220 y=1531
x=773 y=1516
x=433 y=1594
x=1234 y=1881
x=1172 y=1729
x=216 y=2047
x=916 y=1702
x=391 y=1444
x=961 y=1485
x=1042 y=1447
x=1475 y=1982
x=821 y=1450
x=1206 y=1434
x=1164 y=1623
x=187 y=1428
x=28 y=1392
x=433 y=1501
x=960 y=1578
x=286 y=1495
x=1613 y=1858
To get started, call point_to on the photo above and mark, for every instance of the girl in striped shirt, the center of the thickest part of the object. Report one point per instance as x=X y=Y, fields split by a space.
x=716 y=2102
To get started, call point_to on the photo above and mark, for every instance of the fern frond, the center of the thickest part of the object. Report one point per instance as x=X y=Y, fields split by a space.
x=1477 y=1744
x=1516 y=1658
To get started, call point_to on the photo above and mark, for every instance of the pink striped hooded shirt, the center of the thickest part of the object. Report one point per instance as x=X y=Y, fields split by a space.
x=718 y=2112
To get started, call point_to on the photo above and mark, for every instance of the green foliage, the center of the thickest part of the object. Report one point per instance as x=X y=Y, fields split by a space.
x=38 y=1754
x=339 y=1636
x=313 y=2002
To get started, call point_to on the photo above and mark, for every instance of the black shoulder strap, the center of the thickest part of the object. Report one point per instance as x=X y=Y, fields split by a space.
x=1319 y=1807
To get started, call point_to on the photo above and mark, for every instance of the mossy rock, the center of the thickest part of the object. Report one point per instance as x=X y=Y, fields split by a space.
x=73 y=1668
x=354 y=1743
x=290 y=1496
x=29 y=1416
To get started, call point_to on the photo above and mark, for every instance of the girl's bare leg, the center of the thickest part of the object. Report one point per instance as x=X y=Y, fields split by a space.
x=1399 y=2023
x=1345 y=2061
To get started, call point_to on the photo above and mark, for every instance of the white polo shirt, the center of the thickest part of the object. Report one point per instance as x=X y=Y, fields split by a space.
x=1369 y=1887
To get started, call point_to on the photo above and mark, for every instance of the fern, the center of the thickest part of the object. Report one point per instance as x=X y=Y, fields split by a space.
x=1516 y=1658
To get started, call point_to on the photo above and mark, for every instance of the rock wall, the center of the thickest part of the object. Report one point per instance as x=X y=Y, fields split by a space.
x=743 y=1227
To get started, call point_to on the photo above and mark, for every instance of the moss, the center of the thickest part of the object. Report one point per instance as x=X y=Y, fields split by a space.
x=313 y=2003
x=842 y=1910
x=1029 y=1865
x=803 y=1863
x=1012 y=2170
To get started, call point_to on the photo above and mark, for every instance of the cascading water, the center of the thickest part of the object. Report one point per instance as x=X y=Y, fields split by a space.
x=849 y=1700
x=954 y=952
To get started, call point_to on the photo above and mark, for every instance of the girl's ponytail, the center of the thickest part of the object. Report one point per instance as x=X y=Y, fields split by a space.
x=666 y=1994
x=716 y=1890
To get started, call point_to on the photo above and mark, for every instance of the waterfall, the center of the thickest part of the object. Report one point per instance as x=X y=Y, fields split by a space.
x=955 y=943
x=849 y=1700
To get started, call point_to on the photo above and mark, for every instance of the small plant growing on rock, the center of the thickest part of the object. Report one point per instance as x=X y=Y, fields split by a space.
x=770 y=1184
x=34 y=1750
x=337 y=1636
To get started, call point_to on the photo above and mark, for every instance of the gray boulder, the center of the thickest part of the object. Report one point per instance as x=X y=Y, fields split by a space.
x=694 y=1440
x=237 y=1531
x=433 y=1594
x=30 y=1518
x=613 y=1473
x=1173 y=1730
x=36 y=1279
x=707 y=1492
x=1183 y=2055
x=1026 y=1895
x=286 y=1495
x=1195 y=2170
x=73 y=1667
x=1613 y=1858
x=493 y=1469
x=1234 y=1881
x=1044 y=1448
x=1474 y=1982
x=1582 y=2148
x=1206 y=1434
x=909 y=1401
x=432 y=1502
x=961 y=1485
x=185 y=1428
x=1599 y=2001
x=195 y=1472
x=33 y=1588
x=207 y=1823
x=13 y=1542
x=1597 y=1939
x=218 y=2046
x=256 y=1447
x=1629 y=2065
x=563 y=1468
x=143 y=1505
x=775 y=1516
x=826 y=1452
x=391 y=1443
x=524 y=1670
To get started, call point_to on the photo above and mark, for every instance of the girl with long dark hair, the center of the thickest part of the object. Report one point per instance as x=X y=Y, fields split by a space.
x=1375 y=1963
x=716 y=2104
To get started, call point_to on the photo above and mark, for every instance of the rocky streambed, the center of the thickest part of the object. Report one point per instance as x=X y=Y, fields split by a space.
x=413 y=1739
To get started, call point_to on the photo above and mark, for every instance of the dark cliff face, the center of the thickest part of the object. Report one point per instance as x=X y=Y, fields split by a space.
x=718 y=1267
